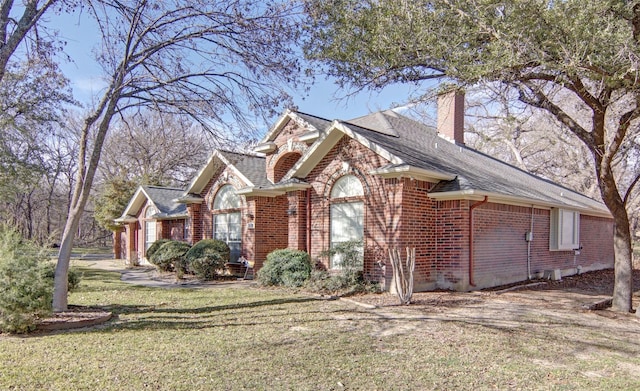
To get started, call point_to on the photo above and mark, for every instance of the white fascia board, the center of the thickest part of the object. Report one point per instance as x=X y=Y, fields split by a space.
x=514 y=200
x=187 y=199
x=275 y=129
x=196 y=184
x=273 y=191
x=206 y=173
x=369 y=144
x=258 y=192
x=407 y=171
x=327 y=141
x=315 y=153
x=267 y=147
x=136 y=202
x=125 y=220
x=310 y=136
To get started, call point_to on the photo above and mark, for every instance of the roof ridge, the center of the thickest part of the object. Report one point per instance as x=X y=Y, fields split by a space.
x=163 y=187
x=249 y=154
x=310 y=115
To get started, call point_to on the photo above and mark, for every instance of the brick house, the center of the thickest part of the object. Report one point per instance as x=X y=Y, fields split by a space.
x=389 y=181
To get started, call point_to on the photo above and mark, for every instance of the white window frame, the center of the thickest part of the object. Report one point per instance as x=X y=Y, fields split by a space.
x=148 y=223
x=227 y=226
x=346 y=187
x=564 y=233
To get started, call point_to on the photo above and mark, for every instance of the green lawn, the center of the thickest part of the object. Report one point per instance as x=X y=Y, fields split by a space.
x=228 y=339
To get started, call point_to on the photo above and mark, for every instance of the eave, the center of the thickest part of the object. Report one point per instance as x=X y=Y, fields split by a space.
x=125 y=220
x=477 y=195
x=273 y=191
x=407 y=171
x=189 y=199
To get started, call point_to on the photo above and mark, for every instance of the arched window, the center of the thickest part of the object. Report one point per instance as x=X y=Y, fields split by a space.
x=347 y=217
x=227 y=223
x=149 y=227
x=226 y=198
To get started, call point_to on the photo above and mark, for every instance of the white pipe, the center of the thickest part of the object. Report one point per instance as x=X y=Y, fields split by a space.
x=529 y=246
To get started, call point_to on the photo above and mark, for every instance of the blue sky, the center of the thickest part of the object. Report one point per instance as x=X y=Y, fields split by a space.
x=326 y=99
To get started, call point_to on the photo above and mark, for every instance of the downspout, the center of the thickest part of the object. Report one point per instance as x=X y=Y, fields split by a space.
x=308 y=221
x=529 y=240
x=471 y=208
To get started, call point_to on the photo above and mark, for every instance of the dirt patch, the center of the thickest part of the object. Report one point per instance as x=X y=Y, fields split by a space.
x=571 y=293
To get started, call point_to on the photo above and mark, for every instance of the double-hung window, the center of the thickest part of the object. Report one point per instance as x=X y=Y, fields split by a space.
x=227 y=222
x=347 y=217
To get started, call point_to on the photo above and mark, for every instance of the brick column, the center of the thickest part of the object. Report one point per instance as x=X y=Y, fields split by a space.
x=297 y=213
x=117 y=243
x=196 y=222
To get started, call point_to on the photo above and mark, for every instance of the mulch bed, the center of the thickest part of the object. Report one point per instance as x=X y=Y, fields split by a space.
x=75 y=317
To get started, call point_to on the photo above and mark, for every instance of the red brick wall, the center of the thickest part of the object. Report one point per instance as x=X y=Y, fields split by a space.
x=451 y=244
x=271 y=226
x=500 y=248
x=297 y=216
x=284 y=164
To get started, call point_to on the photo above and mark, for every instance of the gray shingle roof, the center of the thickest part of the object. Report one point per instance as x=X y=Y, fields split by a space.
x=251 y=166
x=419 y=145
x=163 y=198
x=316 y=122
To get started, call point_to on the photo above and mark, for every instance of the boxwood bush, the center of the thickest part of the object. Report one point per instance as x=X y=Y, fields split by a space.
x=286 y=267
x=171 y=256
x=153 y=249
x=207 y=258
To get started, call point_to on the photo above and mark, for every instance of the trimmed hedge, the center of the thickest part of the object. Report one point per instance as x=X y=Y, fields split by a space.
x=153 y=249
x=286 y=267
x=207 y=258
x=171 y=256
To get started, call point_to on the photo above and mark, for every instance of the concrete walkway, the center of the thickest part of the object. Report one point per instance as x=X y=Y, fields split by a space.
x=150 y=277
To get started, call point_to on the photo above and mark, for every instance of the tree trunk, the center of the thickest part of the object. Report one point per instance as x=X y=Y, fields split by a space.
x=79 y=200
x=623 y=250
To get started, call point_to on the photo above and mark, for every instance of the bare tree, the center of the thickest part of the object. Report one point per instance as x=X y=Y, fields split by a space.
x=157 y=149
x=215 y=61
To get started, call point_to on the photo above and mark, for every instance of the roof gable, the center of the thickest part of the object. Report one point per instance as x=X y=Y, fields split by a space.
x=305 y=121
x=162 y=198
x=249 y=168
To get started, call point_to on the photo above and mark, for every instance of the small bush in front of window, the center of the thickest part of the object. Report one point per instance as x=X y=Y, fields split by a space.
x=346 y=277
x=206 y=259
x=286 y=267
x=151 y=251
x=171 y=256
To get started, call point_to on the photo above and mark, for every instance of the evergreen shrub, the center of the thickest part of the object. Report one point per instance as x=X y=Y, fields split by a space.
x=206 y=259
x=25 y=291
x=285 y=267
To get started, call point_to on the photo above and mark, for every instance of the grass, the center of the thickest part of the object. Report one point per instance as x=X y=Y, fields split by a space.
x=189 y=339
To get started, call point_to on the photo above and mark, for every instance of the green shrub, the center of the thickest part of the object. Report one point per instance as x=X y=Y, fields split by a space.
x=339 y=283
x=25 y=291
x=151 y=251
x=286 y=267
x=73 y=277
x=171 y=256
x=207 y=258
x=347 y=278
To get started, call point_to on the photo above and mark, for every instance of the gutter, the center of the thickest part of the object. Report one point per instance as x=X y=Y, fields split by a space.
x=471 y=208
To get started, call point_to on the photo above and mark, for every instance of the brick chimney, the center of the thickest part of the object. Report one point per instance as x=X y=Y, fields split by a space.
x=451 y=116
